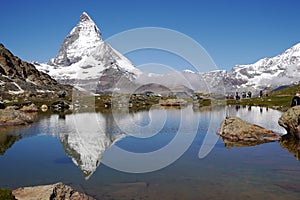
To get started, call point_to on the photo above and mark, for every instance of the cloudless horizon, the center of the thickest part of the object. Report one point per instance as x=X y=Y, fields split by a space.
x=232 y=32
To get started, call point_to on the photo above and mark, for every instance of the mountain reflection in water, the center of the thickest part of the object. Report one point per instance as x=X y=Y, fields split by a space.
x=86 y=136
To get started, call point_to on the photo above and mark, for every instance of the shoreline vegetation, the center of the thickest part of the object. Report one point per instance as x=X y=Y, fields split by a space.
x=279 y=100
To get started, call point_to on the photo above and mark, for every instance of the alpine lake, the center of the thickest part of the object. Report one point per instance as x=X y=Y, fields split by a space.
x=156 y=154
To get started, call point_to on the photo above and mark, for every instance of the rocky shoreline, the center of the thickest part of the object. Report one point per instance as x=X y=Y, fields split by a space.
x=57 y=191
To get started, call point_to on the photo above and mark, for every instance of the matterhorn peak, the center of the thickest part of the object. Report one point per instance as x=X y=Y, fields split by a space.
x=84 y=59
x=81 y=41
x=85 y=17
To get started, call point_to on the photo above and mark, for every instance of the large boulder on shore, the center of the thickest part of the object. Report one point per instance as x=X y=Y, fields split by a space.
x=290 y=120
x=235 y=129
x=57 y=191
x=10 y=117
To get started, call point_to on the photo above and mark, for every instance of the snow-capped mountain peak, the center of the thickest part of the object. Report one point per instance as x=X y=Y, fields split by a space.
x=85 y=57
x=81 y=41
x=188 y=71
x=283 y=69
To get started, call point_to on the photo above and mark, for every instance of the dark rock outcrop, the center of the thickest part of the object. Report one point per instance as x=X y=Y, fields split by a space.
x=290 y=120
x=19 y=77
x=60 y=106
x=11 y=117
x=234 y=129
x=57 y=191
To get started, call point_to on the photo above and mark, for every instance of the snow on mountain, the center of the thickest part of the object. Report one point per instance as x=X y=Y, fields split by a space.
x=84 y=56
x=84 y=59
x=283 y=69
x=188 y=71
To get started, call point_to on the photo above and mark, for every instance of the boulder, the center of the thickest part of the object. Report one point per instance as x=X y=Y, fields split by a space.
x=235 y=129
x=290 y=120
x=10 y=117
x=29 y=109
x=57 y=191
x=60 y=106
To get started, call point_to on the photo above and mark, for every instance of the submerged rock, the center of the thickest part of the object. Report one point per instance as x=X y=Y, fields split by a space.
x=234 y=129
x=10 y=117
x=290 y=120
x=292 y=144
x=57 y=191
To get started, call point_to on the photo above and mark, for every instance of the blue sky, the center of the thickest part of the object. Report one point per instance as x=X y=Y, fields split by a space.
x=232 y=31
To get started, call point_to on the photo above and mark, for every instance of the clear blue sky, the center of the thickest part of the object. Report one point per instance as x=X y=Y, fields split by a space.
x=232 y=31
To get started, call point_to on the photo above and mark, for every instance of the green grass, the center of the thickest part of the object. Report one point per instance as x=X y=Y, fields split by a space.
x=290 y=91
x=280 y=100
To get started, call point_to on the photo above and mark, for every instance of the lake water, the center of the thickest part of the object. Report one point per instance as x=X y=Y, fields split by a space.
x=162 y=154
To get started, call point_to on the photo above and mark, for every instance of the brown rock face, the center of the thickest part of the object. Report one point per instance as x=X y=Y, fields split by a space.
x=57 y=191
x=290 y=120
x=235 y=129
x=18 y=76
x=10 y=117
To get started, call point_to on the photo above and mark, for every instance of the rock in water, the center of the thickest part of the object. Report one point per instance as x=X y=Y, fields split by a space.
x=235 y=129
x=29 y=109
x=57 y=191
x=10 y=117
x=290 y=120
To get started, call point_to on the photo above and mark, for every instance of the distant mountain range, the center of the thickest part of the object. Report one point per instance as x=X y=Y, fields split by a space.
x=86 y=61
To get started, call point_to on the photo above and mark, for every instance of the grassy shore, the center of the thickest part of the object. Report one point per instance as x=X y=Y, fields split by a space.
x=280 y=100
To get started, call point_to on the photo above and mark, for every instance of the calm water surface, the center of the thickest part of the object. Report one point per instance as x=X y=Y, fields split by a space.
x=63 y=149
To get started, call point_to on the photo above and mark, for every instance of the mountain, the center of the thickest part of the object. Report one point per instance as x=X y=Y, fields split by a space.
x=19 y=77
x=84 y=58
x=283 y=69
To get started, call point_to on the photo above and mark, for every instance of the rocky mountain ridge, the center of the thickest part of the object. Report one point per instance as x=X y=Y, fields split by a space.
x=85 y=60
x=19 y=77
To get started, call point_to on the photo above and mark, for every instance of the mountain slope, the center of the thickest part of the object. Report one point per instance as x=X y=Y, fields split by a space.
x=85 y=57
x=283 y=69
x=85 y=60
x=17 y=76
